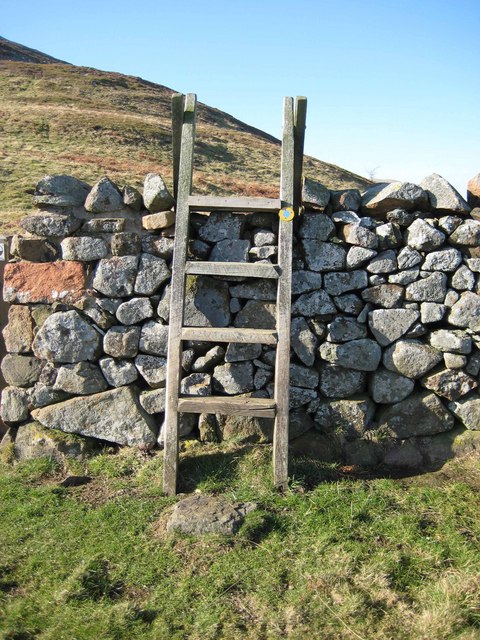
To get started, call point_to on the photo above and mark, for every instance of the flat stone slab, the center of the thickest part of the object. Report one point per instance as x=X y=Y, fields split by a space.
x=115 y=416
x=199 y=514
x=27 y=282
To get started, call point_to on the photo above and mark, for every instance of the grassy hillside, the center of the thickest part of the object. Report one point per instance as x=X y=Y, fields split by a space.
x=337 y=557
x=59 y=118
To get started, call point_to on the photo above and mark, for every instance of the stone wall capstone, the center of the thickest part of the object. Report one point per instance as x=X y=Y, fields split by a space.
x=385 y=357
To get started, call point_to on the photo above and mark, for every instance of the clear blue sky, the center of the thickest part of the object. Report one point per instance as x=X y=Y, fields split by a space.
x=391 y=84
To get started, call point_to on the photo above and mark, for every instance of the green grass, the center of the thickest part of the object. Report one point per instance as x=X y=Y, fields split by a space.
x=336 y=557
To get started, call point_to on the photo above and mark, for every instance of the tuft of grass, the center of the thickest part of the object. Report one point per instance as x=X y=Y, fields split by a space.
x=336 y=556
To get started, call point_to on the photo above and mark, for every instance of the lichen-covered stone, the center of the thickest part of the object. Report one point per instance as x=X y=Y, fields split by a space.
x=121 y=342
x=303 y=341
x=118 y=372
x=324 y=256
x=463 y=279
x=196 y=384
x=256 y=290
x=419 y=414
x=389 y=236
x=358 y=256
x=214 y=356
x=256 y=314
x=115 y=416
x=451 y=341
x=18 y=334
x=134 y=310
x=115 y=276
x=50 y=225
x=385 y=262
x=341 y=282
x=442 y=195
x=81 y=378
x=314 y=194
x=466 y=312
x=154 y=338
x=387 y=325
x=316 y=226
x=29 y=282
x=361 y=355
x=14 y=404
x=153 y=401
x=387 y=387
x=411 y=358
x=443 y=260
x=238 y=352
x=430 y=289
x=384 y=295
x=384 y=197
x=60 y=191
x=34 y=441
x=207 y=303
x=125 y=244
x=156 y=195
x=152 y=369
x=359 y=235
x=423 y=236
x=432 y=312
x=132 y=197
x=343 y=329
x=317 y=303
x=199 y=515
x=449 y=383
x=104 y=197
x=67 y=337
x=305 y=281
x=84 y=249
x=350 y=417
x=467 y=410
x=339 y=382
x=221 y=226
x=233 y=378
x=408 y=258
x=152 y=273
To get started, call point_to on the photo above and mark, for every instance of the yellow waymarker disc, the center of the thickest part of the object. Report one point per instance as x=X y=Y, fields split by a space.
x=286 y=214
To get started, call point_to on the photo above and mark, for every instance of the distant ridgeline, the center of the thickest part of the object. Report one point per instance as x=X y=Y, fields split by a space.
x=385 y=354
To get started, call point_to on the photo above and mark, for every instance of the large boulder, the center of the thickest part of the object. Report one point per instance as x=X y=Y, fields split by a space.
x=67 y=337
x=352 y=417
x=384 y=197
x=387 y=325
x=323 y=256
x=115 y=416
x=316 y=226
x=339 y=382
x=34 y=441
x=420 y=414
x=411 y=358
x=60 y=191
x=388 y=387
x=49 y=225
x=442 y=195
x=314 y=194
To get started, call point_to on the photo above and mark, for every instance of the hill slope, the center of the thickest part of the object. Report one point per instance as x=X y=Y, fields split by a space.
x=60 y=118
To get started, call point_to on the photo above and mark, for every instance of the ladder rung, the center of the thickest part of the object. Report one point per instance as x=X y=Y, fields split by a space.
x=244 y=205
x=228 y=405
x=230 y=334
x=250 y=269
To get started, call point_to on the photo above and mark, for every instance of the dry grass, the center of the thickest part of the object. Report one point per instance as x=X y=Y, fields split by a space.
x=64 y=119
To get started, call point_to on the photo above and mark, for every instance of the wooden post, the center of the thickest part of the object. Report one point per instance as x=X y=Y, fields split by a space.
x=177 y=296
x=178 y=105
x=282 y=364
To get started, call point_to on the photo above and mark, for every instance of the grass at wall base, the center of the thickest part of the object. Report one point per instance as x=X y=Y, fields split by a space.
x=341 y=555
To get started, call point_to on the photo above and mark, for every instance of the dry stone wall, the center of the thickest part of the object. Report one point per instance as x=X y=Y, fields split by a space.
x=385 y=321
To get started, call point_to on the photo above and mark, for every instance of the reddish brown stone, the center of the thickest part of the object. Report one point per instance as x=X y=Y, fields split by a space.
x=26 y=282
x=473 y=191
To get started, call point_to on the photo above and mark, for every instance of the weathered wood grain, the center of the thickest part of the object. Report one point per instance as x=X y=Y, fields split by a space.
x=250 y=269
x=177 y=297
x=229 y=405
x=230 y=334
x=243 y=205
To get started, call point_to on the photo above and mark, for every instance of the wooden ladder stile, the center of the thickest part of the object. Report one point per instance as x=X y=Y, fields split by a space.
x=183 y=140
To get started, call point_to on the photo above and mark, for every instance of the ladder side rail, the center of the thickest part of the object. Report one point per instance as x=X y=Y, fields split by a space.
x=300 y=117
x=282 y=362
x=178 y=107
x=170 y=470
